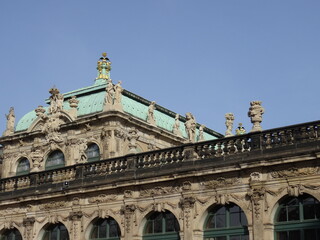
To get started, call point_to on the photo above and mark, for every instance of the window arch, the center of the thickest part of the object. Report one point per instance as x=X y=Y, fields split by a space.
x=55 y=160
x=298 y=218
x=56 y=232
x=105 y=229
x=93 y=152
x=11 y=234
x=23 y=166
x=161 y=225
x=226 y=223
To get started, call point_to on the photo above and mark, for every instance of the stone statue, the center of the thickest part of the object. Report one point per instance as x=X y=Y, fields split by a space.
x=118 y=93
x=190 y=125
x=176 y=126
x=229 y=124
x=56 y=101
x=255 y=113
x=51 y=129
x=10 y=122
x=40 y=111
x=240 y=130
x=110 y=92
x=82 y=150
x=73 y=103
x=150 y=118
x=133 y=137
x=201 y=132
x=37 y=158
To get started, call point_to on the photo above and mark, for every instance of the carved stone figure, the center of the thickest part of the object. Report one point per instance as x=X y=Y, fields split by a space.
x=110 y=92
x=229 y=124
x=56 y=101
x=51 y=129
x=37 y=158
x=118 y=92
x=40 y=111
x=150 y=118
x=10 y=122
x=240 y=130
x=190 y=125
x=200 y=135
x=73 y=103
x=133 y=137
x=82 y=150
x=176 y=126
x=255 y=113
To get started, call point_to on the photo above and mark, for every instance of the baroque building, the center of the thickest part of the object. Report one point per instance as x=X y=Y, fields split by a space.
x=102 y=163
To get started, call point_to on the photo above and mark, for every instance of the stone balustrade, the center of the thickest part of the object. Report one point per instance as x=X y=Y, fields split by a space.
x=130 y=165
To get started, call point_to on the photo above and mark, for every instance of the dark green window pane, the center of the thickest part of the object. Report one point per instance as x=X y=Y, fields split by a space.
x=309 y=211
x=162 y=223
x=235 y=238
x=12 y=234
x=282 y=236
x=114 y=229
x=55 y=159
x=94 y=233
x=282 y=217
x=244 y=221
x=23 y=166
x=220 y=238
x=93 y=152
x=102 y=232
x=293 y=213
x=294 y=235
x=220 y=221
x=210 y=222
x=245 y=237
x=310 y=234
x=149 y=227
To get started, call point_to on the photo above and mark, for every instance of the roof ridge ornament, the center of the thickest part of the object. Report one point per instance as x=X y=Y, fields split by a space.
x=104 y=68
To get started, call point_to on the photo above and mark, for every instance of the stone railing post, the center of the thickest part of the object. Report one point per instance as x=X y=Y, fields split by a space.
x=189 y=153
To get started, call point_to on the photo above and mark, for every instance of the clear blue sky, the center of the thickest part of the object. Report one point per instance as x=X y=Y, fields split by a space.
x=207 y=57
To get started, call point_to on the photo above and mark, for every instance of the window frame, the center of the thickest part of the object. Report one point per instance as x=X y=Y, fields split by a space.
x=296 y=225
x=94 y=224
x=164 y=235
x=227 y=231
x=93 y=159
x=54 y=166
x=25 y=172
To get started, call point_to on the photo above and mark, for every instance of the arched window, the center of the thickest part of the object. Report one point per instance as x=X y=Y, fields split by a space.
x=161 y=225
x=11 y=234
x=298 y=218
x=93 y=152
x=105 y=229
x=23 y=166
x=56 y=232
x=55 y=160
x=226 y=223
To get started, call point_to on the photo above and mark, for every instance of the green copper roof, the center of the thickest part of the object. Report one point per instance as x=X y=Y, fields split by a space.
x=91 y=100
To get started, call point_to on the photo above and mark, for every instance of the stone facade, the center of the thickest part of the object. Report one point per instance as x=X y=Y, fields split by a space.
x=147 y=170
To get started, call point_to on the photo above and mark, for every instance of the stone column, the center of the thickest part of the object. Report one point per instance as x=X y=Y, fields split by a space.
x=129 y=214
x=75 y=218
x=28 y=224
x=187 y=207
x=256 y=195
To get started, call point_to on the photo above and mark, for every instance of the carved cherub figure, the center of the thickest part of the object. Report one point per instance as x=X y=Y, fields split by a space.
x=190 y=125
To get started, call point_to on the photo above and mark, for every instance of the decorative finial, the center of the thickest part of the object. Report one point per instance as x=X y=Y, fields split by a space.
x=240 y=130
x=255 y=114
x=229 y=124
x=104 y=68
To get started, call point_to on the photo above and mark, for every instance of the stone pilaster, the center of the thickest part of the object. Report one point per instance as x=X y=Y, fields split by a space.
x=76 y=231
x=187 y=208
x=28 y=224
